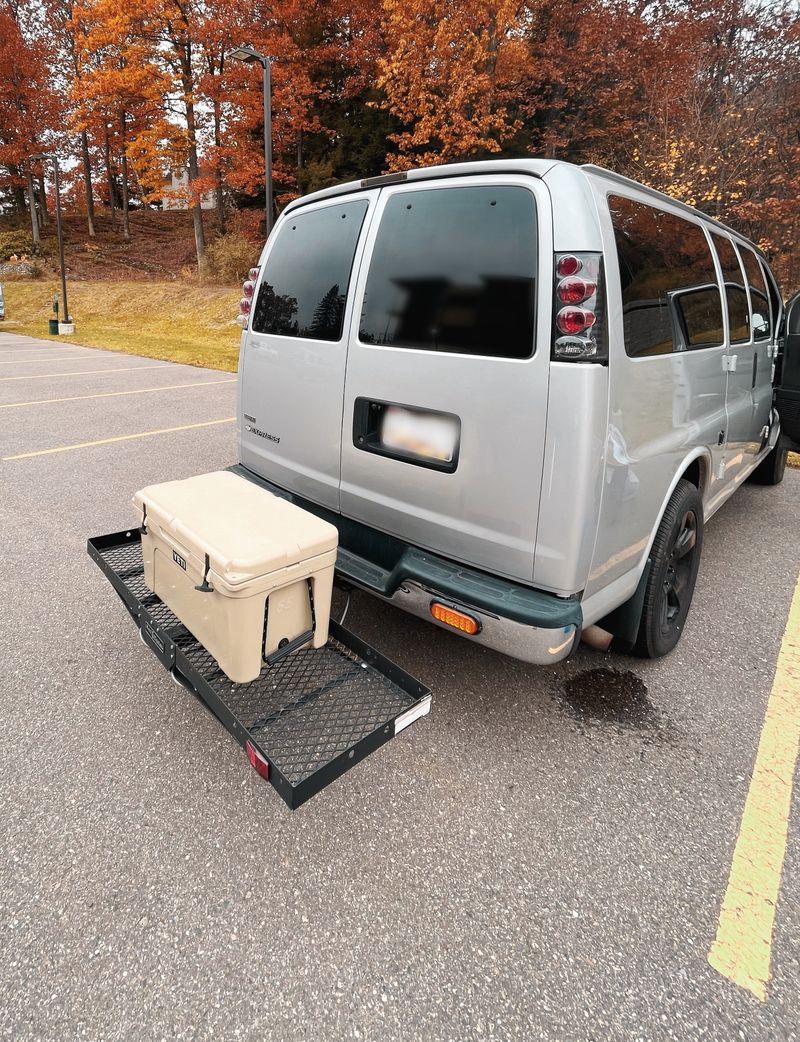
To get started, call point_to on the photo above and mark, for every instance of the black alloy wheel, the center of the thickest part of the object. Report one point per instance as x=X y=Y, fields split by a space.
x=674 y=561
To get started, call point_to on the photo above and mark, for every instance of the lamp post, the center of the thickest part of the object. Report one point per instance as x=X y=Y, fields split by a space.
x=59 y=231
x=248 y=55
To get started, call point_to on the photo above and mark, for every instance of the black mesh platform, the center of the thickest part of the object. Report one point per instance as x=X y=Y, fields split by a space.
x=313 y=715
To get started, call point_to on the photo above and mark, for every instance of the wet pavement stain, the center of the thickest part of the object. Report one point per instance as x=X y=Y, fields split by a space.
x=617 y=698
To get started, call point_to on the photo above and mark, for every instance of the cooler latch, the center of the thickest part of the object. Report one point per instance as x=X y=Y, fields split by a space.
x=205 y=586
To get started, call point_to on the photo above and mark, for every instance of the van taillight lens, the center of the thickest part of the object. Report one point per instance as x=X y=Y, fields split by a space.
x=248 y=288
x=574 y=290
x=245 y=304
x=568 y=264
x=578 y=320
x=253 y=274
x=575 y=320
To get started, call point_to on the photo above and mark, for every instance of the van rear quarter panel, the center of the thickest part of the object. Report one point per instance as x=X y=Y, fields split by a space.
x=664 y=411
x=577 y=414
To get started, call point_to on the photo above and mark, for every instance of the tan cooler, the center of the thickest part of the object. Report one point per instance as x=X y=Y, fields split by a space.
x=250 y=575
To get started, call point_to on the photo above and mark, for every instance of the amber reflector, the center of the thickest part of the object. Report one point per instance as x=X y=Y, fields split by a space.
x=459 y=620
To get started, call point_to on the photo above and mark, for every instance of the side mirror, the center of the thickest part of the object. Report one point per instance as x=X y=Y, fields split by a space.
x=760 y=325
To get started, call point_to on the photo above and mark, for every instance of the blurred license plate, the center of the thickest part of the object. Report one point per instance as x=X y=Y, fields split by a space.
x=425 y=434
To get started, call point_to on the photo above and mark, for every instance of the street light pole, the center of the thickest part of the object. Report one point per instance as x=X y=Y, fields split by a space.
x=59 y=230
x=268 y=144
x=249 y=55
x=60 y=233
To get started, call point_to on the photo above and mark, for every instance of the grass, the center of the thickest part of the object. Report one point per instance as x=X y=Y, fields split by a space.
x=794 y=460
x=173 y=321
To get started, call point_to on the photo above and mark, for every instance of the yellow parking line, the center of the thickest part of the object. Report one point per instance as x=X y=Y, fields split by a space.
x=119 y=437
x=742 y=948
x=84 y=372
x=117 y=394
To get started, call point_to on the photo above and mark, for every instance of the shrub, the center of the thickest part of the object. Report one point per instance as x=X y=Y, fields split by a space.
x=16 y=242
x=230 y=257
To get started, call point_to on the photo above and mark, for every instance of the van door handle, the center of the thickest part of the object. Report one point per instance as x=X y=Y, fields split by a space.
x=755 y=368
x=729 y=363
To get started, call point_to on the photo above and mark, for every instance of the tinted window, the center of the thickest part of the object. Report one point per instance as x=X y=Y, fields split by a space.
x=304 y=288
x=735 y=293
x=759 y=297
x=454 y=269
x=670 y=296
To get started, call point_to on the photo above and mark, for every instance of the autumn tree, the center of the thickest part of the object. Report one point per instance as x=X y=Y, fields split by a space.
x=445 y=65
x=29 y=107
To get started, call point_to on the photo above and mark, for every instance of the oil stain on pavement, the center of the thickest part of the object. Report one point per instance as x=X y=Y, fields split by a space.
x=613 y=698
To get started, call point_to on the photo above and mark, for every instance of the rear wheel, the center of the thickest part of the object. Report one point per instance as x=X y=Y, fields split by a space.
x=674 y=561
x=771 y=469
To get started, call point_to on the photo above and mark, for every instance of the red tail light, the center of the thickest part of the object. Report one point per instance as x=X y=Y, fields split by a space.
x=258 y=762
x=248 y=291
x=568 y=264
x=575 y=320
x=573 y=290
x=579 y=334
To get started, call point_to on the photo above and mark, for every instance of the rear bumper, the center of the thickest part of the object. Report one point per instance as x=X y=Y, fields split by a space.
x=516 y=620
x=539 y=645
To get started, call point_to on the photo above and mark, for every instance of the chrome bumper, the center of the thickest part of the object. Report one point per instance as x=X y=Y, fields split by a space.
x=532 y=644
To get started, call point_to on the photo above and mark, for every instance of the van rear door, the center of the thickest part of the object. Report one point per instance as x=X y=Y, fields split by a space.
x=293 y=361
x=447 y=369
x=787 y=396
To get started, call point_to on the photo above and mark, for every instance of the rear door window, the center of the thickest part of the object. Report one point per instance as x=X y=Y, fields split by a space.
x=759 y=296
x=735 y=293
x=670 y=295
x=454 y=269
x=304 y=287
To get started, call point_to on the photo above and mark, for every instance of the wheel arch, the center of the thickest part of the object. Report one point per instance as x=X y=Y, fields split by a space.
x=695 y=468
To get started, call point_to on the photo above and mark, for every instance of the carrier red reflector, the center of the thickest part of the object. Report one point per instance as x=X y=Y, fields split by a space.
x=258 y=762
x=458 y=620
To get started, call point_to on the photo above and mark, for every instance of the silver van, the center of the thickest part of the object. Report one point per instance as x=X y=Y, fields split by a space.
x=519 y=389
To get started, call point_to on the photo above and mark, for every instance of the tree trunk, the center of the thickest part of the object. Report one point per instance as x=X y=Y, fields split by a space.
x=17 y=192
x=43 y=215
x=87 y=179
x=193 y=170
x=220 y=196
x=126 y=228
x=112 y=188
x=32 y=204
x=300 y=161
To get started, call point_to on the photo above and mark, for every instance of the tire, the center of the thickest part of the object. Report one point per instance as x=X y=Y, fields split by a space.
x=674 y=561
x=771 y=469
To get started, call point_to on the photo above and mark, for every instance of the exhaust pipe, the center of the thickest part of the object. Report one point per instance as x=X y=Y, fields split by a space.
x=597 y=638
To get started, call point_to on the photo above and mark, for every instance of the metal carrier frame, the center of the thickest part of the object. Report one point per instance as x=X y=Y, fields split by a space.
x=310 y=716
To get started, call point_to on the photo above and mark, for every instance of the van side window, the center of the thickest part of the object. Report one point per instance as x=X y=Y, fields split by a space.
x=759 y=296
x=670 y=296
x=454 y=269
x=735 y=293
x=304 y=287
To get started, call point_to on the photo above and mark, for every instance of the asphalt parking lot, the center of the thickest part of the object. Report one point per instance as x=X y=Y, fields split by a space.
x=544 y=857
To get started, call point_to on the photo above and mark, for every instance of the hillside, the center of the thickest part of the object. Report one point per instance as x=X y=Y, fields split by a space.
x=161 y=246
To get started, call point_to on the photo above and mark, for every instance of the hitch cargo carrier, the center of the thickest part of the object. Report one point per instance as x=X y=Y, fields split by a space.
x=304 y=720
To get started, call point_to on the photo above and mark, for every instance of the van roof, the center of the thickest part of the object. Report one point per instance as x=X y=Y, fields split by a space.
x=532 y=167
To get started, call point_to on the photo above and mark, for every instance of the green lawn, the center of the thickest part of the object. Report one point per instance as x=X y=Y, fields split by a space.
x=175 y=321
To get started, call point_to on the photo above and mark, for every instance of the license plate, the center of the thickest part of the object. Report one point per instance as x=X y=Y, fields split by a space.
x=428 y=435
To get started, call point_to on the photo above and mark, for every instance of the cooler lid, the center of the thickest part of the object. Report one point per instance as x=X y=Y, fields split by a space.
x=246 y=531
